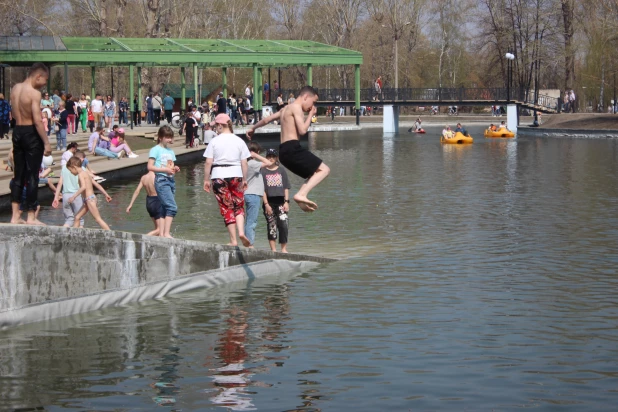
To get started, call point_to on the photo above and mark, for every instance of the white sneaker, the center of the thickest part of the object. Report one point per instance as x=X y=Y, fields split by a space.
x=133 y=155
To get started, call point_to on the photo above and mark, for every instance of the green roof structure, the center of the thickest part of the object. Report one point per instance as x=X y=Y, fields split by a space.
x=112 y=51
x=97 y=52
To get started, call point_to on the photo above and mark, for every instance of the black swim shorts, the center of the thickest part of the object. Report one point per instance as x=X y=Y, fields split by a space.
x=153 y=206
x=298 y=160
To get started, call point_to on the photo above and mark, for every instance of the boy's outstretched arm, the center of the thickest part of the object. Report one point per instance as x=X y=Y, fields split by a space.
x=135 y=194
x=263 y=122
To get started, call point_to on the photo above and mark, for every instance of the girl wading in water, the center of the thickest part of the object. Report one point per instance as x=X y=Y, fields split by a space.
x=225 y=172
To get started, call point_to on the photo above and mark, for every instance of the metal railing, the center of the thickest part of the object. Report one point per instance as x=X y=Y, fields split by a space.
x=485 y=95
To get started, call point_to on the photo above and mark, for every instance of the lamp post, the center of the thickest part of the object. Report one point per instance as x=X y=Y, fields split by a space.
x=509 y=74
x=396 y=38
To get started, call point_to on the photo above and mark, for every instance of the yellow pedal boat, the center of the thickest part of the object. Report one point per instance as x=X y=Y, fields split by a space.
x=459 y=138
x=499 y=133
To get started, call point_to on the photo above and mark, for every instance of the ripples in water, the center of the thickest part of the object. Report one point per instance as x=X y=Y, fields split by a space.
x=478 y=277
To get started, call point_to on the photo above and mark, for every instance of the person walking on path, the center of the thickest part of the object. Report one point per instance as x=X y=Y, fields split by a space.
x=156 y=109
x=168 y=106
x=292 y=155
x=149 y=111
x=137 y=112
x=82 y=108
x=255 y=189
x=110 y=112
x=96 y=106
x=225 y=173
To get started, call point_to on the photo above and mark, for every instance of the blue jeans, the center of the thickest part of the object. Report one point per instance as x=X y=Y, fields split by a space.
x=61 y=139
x=149 y=115
x=99 y=151
x=252 y=202
x=166 y=188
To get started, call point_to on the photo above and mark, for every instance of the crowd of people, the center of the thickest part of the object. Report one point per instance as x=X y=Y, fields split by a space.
x=236 y=173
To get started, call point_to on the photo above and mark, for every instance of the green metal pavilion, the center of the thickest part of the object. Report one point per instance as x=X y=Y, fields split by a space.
x=184 y=53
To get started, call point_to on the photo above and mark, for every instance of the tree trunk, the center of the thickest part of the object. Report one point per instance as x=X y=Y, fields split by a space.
x=569 y=55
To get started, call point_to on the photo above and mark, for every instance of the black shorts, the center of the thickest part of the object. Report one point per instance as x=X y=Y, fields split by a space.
x=153 y=206
x=298 y=160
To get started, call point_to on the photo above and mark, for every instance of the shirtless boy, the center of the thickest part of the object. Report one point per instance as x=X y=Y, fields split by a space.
x=291 y=155
x=30 y=141
x=153 y=204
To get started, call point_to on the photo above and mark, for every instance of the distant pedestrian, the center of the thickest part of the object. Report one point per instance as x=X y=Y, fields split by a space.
x=157 y=103
x=168 y=106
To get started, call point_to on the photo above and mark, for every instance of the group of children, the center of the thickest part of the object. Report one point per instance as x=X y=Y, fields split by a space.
x=267 y=182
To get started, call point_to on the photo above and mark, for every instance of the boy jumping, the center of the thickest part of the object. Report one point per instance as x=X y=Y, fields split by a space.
x=295 y=158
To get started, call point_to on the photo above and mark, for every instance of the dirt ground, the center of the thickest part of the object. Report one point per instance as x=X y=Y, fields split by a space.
x=580 y=121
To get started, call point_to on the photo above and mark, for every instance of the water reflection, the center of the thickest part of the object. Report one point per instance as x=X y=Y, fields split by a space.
x=478 y=277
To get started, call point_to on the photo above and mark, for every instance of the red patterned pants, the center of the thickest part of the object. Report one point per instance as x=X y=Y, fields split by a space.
x=231 y=198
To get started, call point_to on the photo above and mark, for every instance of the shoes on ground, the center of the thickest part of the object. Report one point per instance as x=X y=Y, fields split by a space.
x=133 y=155
x=122 y=154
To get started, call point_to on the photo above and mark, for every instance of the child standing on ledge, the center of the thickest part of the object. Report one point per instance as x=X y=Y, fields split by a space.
x=161 y=161
x=276 y=201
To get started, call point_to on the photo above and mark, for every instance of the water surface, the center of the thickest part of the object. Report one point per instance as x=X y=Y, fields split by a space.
x=477 y=277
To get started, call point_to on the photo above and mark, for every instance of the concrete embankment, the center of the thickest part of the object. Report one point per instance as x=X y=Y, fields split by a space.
x=50 y=272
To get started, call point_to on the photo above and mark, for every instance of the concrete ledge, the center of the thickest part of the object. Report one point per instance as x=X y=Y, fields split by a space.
x=77 y=270
x=523 y=131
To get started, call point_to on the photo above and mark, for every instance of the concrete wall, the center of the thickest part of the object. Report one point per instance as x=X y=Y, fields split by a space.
x=44 y=265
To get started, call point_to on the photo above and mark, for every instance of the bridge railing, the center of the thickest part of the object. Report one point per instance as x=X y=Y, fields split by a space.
x=486 y=95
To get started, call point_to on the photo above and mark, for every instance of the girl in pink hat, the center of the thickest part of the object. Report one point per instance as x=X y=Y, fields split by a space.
x=225 y=173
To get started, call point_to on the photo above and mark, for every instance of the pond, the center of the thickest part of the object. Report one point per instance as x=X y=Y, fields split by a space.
x=470 y=277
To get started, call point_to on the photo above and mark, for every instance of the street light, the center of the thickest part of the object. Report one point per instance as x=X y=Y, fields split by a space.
x=509 y=74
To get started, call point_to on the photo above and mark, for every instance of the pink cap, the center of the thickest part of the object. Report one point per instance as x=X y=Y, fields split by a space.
x=221 y=118
x=121 y=130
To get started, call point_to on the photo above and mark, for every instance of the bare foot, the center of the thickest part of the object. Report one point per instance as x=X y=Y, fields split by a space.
x=304 y=203
x=168 y=236
x=19 y=221
x=245 y=241
x=284 y=251
x=35 y=222
x=232 y=244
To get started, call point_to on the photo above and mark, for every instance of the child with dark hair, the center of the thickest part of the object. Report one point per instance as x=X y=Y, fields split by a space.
x=161 y=161
x=255 y=188
x=153 y=204
x=276 y=202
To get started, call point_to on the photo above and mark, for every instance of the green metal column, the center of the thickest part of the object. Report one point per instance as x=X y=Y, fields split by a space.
x=183 y=92
x=260 y=93
x=357 y=91
x=139 y=92
x=93 y=72
x=196 y=98
x=131 y=91
x=255 y=82
x=310 y=75
x=48 y=81
x=224 y=81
